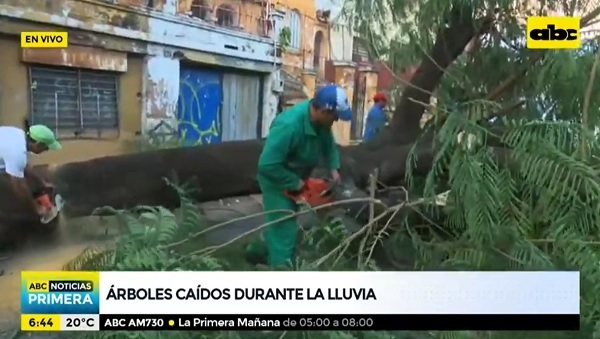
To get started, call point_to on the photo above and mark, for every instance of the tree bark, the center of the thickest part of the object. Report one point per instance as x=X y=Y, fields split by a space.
x=450 y=43
x=216 y=171
x=17 y=218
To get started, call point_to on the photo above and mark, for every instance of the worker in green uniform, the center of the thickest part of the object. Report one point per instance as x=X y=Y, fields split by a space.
x=298 y=139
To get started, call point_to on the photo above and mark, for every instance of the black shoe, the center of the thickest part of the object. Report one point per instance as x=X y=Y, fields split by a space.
x=255 y=259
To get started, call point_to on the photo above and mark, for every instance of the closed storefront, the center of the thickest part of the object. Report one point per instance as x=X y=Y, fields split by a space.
x=200 y=96
x=216 y=105
x=241 y=112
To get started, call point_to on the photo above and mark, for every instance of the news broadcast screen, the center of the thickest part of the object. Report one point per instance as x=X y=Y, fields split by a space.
x=304 y=301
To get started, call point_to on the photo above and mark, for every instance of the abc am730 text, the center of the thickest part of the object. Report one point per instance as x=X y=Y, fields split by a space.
x=233 y=322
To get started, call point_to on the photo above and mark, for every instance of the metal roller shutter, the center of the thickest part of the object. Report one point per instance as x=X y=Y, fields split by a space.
x=74 y=101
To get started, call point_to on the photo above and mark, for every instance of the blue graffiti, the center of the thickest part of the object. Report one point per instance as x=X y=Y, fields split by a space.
x=198 y=107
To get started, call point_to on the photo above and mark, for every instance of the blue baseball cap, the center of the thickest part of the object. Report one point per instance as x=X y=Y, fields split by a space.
x=334 y=98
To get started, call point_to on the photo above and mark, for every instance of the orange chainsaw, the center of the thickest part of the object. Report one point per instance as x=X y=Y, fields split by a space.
x=47 y=208
x=315 y=192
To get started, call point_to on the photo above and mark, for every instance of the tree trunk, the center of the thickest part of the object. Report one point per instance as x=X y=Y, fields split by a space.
x=216 y=171
x=17 y=218
x=450 y=43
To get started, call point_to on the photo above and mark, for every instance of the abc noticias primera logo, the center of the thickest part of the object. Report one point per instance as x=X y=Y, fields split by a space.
x=44 y=39
x=59 y=293
x=545 y=32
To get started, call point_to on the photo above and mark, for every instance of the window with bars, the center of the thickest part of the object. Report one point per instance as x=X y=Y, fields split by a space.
x=74 y=102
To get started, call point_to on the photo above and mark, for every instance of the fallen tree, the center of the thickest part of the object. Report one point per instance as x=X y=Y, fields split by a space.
x=124 y=182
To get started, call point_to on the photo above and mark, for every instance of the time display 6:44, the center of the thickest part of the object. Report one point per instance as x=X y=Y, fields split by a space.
x=40 y=322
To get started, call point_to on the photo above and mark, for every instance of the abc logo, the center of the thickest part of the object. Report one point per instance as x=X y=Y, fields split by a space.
x=553 y=33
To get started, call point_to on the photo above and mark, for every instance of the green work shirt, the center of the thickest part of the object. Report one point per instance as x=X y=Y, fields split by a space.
x=294 y=148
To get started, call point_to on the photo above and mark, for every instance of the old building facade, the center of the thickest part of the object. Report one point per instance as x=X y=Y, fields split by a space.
x=321 y=50
x=358 y=75
x=137 y=68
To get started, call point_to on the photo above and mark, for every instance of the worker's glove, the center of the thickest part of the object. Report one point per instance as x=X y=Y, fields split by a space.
x=335 y=177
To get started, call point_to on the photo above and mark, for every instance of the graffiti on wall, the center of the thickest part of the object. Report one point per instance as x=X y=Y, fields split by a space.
x=198 y=108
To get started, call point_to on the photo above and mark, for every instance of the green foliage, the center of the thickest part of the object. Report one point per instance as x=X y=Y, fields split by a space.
x=154 y=239
x=528 y=208
x=285 y=36
x=401 y=32
x=529 y=205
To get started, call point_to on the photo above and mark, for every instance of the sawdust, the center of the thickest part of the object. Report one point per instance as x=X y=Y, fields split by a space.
x=45 y=254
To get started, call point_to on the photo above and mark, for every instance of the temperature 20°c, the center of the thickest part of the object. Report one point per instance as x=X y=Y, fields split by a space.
x=77 y=322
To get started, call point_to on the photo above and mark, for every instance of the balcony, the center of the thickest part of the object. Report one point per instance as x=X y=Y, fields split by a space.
x=306 y=60
x=219 y=31
x=237 y=16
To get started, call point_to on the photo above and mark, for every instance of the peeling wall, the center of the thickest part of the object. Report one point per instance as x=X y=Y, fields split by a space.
x=309 y=80
x=165 y=35
x=14 y=107
x=85 y=13
x=295 y=61
x=306 y=7
x=161 y=79
x=247 y=15
x=78 y=57
x=166 y=28
x=160 y=94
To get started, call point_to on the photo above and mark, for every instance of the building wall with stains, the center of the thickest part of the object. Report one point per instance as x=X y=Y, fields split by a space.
x=243 y=16
x=341 y=36
x=266 y=19
x=152 y=44
x=312 y=54
x=251 y=17
x=15 y=107
x=163 y=26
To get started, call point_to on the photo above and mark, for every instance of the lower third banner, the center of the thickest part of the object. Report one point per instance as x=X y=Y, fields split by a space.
x=325 y=322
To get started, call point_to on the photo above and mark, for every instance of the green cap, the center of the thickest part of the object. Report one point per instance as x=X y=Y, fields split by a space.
x=43 y=134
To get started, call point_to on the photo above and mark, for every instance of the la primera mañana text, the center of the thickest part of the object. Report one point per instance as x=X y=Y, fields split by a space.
x=201 y=293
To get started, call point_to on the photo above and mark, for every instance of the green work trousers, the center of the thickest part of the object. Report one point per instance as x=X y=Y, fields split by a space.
x=281 y=237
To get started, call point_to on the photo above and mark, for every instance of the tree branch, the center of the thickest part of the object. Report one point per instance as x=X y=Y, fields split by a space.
x=449 y=44
x=586 y=103
x=509 y=82
x=506 y=109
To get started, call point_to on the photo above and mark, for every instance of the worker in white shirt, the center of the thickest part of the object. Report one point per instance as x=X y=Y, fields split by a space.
x=15 y=143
